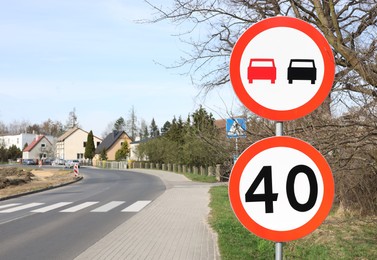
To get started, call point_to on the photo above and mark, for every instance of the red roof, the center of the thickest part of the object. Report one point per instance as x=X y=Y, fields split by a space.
x=220 y=123
x=34 y=143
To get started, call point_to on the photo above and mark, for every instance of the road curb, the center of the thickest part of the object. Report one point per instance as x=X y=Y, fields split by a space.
x=44 y=189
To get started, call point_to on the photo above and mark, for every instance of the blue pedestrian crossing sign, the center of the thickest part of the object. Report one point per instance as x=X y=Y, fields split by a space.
x=235 y=127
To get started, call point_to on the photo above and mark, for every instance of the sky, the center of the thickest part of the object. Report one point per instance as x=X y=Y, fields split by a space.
x=93 y=55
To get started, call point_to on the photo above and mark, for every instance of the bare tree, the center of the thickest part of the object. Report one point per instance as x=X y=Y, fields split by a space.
x=3 y=128
x=347 y=141
x=143 y=130
x=349 y=27
x=72 y=120
x=18 y=127
x=131 y=124
x=49 y=127
x=109 y=128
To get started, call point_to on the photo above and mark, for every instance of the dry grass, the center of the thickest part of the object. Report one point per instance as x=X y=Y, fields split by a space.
x=342 y=236
x=38 y=179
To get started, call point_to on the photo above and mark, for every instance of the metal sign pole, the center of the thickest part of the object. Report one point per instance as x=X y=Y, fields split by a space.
x=278 y=251
x=279 y=245
x=279 y=128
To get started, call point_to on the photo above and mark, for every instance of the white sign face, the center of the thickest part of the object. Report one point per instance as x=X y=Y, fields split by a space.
x=281 y=160
x=281 y=95
x=281 y=188
x=282 y=68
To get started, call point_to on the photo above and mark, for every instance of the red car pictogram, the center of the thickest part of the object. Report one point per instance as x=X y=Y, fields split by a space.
x=263 y=69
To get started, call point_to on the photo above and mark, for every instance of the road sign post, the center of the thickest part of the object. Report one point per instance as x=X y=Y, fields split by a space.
x=279 y=245
x=236 y=128
x=281 y=188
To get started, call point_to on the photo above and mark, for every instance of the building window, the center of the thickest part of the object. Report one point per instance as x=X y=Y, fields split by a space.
x=98 y=143
x=80 y=156
x=42 y=156
x=43 y=145
x=84 y=144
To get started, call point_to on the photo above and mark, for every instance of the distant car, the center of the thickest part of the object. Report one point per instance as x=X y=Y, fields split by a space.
x=71 y=163
x=47 y=162
x=302 y=69
x=61 y=162
x=58 y=162
x=263 y=69
x=28 y=162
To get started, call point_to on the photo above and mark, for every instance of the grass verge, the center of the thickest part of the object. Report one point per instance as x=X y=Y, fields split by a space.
x=200 y=178
x=339 y=237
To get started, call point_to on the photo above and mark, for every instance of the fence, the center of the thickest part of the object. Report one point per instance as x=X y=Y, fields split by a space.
x=219 y=171
x=178 y=168
x=111 y=165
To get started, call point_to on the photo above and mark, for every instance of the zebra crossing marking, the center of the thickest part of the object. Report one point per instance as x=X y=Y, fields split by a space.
x=109 y=206
x=51 y=207
x=80 y=206
x=9 y=205
x=137 y=206
x=26 y=206
x=13 y=207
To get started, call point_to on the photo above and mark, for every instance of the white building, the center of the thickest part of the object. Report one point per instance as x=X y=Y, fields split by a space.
x=71 y=145
x=21 y=139
x=134 y=153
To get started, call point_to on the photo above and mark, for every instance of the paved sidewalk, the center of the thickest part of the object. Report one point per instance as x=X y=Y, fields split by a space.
x=174 y=226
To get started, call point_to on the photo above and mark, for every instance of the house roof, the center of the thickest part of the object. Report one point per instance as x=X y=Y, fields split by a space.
x=110 y=140
x=144 y=140
x=70 y=131
x=35 y=142
x=67 y=134
x=220 y=123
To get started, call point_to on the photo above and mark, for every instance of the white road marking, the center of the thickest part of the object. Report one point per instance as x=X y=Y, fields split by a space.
x=13 y=207
x=109 y=206
x=137 y=206
x=26 y=206
x=9 y=205
x=80 y=206
x=51 y=207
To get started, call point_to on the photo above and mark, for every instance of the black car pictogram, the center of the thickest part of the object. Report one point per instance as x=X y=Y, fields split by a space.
x=302 y=69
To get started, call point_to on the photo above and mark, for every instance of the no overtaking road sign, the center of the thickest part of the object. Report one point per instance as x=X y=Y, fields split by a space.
x=282 y=68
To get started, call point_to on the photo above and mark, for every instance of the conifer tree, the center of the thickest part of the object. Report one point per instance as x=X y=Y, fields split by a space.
x=120 y=124
x=89 y=148
x=103 y=155
x=154 y=129
x=123 y=152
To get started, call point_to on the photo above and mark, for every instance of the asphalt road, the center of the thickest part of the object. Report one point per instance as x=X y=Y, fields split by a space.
x=63 y=222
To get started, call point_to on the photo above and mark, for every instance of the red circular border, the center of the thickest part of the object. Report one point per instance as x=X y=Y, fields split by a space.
x=243 y=216
x=317 y=99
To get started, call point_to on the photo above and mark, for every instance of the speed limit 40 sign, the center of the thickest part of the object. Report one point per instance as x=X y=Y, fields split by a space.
x=281 y=188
